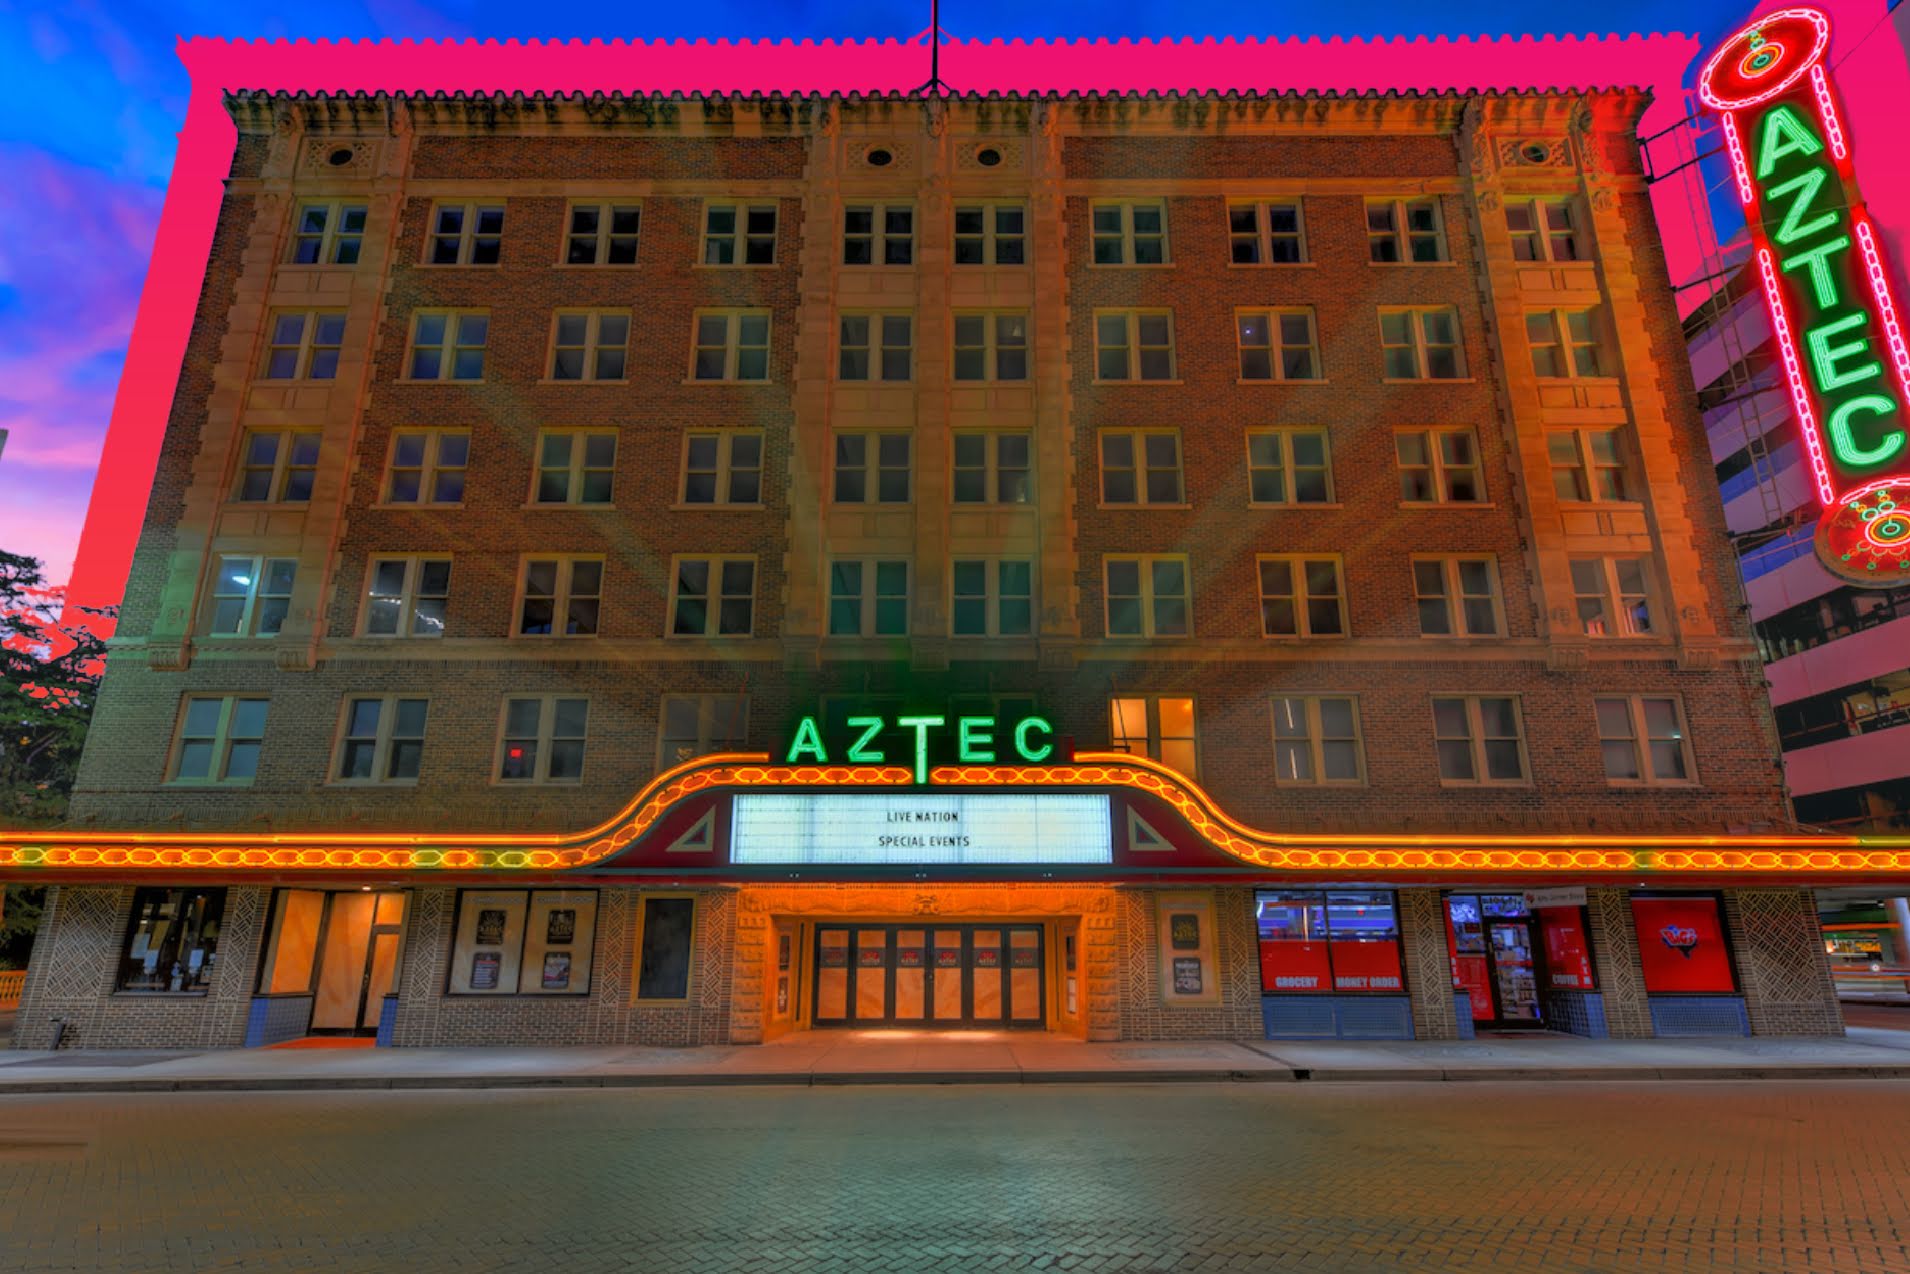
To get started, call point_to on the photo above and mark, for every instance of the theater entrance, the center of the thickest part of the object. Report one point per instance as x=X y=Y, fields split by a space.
x=929 y=975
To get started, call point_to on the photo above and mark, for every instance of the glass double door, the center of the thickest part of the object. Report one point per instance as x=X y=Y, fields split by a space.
x=930 y=976
x=1493 y=957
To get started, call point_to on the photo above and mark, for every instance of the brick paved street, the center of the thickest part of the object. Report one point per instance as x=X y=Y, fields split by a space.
x=1772 y=1175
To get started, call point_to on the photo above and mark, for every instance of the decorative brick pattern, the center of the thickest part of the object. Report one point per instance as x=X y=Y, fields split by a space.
x=1428 y=964
x=1621 y=979
x=1782 y=967
x=1146 y=1016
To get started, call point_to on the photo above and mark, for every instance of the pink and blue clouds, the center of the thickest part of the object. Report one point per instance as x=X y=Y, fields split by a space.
x=98 y=96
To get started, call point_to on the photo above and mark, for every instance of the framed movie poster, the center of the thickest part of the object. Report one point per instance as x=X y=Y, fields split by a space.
x=562 y=922
x=557 y=971
x=485 y=966
x=1185 y=950
x=523 y=942
x=560 y=926
x=490 y=927
x=489 y=942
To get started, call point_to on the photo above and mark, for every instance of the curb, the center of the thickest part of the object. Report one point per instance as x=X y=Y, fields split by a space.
x=871 y=1078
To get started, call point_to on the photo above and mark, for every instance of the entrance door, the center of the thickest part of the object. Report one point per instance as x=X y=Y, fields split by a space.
x=357 y=959
x=1513 y=976
x=1492 y=957
x=948 y=976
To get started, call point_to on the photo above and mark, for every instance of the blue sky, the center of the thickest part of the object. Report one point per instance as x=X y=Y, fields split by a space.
x=96 y=96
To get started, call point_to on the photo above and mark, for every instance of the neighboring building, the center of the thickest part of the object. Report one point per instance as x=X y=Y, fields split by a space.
x=1311 y=464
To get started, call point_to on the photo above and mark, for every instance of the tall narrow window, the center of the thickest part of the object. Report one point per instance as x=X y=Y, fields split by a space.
x=1301 y=597
x=992 y=597
x=992 y=467
x=868 y=598
x=1438 y=466
x=1613 y=596
x=872 y=468
x=724 y=467
x=251 y=595
x=542 y=740
x=602 y=234
x=1288 y=466
x=465 y=234
x=1129 y=233
x=1565 y=343
x=991 y=234
x=878 y=234
x=1277 y=345
x=1542 y=230
x=574 y=467
x=590 y=345
x=407 y=596
x=1421 y=344
x=690 y=726
x=1478 y=739
x=713 y=597
x=1642 y=739
x=1404 y=230
x=991 y=346
x=427 y=466
x=1590 y=465
x=731 y=345
x=1133 y=345
x=1157 y=726
x=1316 y=739
x=305 y=346
x=1147 y=596
x=1140 y=467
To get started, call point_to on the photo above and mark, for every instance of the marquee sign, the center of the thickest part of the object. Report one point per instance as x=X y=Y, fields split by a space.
x=1833 y=317
x=883 y=829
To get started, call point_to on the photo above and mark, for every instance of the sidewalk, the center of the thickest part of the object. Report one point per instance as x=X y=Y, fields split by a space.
x=822 y=1058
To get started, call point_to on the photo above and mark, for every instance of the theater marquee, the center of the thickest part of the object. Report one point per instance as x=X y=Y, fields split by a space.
x=871 y=829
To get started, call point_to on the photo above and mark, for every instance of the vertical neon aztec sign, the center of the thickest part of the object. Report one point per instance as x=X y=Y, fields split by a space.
x=1832 y=314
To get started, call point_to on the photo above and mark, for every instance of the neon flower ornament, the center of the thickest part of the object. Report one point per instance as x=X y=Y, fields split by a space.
x=1836 y=324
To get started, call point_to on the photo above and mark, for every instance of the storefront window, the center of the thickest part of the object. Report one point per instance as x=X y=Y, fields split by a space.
x=524 y=942
x=663 y=962
x=1568 y=953
x=174 y=941
x=1681 y=945
x=1316 y=941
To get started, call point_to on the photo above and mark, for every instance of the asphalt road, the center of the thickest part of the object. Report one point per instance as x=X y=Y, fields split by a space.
x=1633 y=1176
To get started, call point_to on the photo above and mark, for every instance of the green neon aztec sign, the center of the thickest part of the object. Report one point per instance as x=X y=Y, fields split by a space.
x=975 y=740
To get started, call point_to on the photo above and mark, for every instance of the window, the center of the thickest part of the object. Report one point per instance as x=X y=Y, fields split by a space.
x=1478 y=739
x=542 y=740
x=1133 y=345
x=383 y=740
x=1328 y=942
x=1129 y=233
x=574 y=467
x=1158 y=727
x=725 y=467
x=1565 y=343
x=872 y=468
x=250 y=595
x=878 y=234
x=328 y=234
x=1421 y=344
x=407 y=596
x=1140 y=466
x=732 y=345
x=713 y=597
x=560 y=596
x=1681 y=945
x=1613 y=596
x=739 y=234
x=1404 y=230
x=1438 y=466
x=523 y=942
x=449 y=344
x=304 y=346
x=278 y=468
x=427 y=466
x=1267 y=233
x=868 y=598
x=689 y=726
x=1542 y=229
x=992 y=467
x=602 y=234
x=991 y=346
x=993 y=597
x=1147 y=596
x=1276 y=345
x=1288 y=466
x=465 y=234
x=1589 y=464
x=875 y=347
x=174 y=942
x=1642 y=739
x=991 y=234
x=1458 y=597
x=663 y=948
x=590 y=345
x=219 y=740
x=1301 y=597
x=1316 y=739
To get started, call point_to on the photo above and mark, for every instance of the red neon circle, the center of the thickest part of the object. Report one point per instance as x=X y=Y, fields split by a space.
x=1865 y=536
x=1801 y=38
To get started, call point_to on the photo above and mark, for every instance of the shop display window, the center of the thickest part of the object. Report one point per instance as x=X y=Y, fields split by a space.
x=663 y=952
x=1568 y=951
x=1328 y=941
x=524 y=942
x=173 y=945
x=1681 y=945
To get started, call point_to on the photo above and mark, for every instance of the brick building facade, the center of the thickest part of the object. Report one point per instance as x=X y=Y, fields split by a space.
x=1314 y=464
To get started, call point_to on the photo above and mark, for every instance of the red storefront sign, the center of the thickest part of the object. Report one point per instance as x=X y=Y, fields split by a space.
x=1568 y=956
x=1681 y=945
x=1366 y=966
x=1289 y=965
